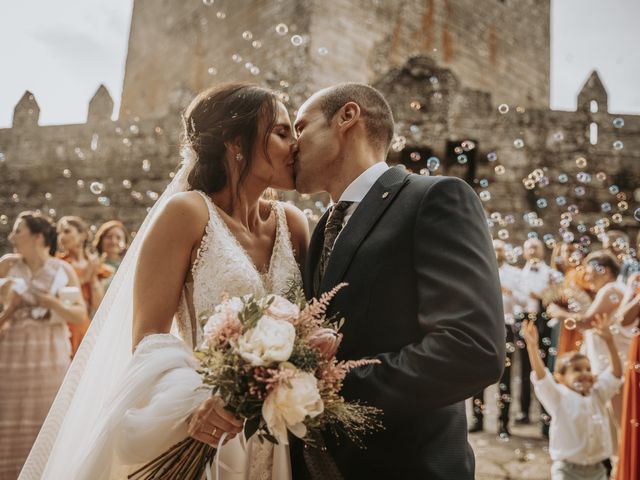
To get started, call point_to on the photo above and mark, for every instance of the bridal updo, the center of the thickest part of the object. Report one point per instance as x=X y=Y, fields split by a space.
x=222 y=114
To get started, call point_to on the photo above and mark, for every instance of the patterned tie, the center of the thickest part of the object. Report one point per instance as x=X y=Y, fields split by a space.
x=331 y=231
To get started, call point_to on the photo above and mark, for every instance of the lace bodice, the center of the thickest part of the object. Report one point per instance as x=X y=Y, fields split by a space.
x=222 y=266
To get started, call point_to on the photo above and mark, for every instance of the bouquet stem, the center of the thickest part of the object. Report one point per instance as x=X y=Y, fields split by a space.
x=185 y=460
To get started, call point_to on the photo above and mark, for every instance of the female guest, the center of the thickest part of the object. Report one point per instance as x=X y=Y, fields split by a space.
x=34 y=339
x=73 y=236
x=111 y=242
x=628 y=458
x=566 y=259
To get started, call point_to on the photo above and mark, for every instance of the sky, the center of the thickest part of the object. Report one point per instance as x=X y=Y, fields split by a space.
x=63 y=50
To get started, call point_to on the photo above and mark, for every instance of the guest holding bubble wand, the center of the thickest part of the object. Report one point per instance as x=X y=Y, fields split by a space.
x=39 y=294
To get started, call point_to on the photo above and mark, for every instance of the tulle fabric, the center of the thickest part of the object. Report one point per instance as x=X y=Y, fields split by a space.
x=100 y=363
x=146 y=415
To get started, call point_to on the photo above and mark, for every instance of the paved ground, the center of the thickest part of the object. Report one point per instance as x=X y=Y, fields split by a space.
x=523 y=456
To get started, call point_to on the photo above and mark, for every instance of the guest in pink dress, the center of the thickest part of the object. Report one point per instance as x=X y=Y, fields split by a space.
x=34 y=337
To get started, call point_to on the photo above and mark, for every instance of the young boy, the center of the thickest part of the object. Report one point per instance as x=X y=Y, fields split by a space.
x=580 y=438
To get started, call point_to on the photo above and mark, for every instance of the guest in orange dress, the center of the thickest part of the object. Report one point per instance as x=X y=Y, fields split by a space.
x=74 y=241
x=111 y=242
x=566 y=258
x=629 y=445
x=34 y=339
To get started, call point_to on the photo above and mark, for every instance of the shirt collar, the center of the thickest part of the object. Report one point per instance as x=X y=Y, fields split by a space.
x=357 y=190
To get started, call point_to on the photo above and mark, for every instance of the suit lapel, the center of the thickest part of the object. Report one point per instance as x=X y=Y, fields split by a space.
x=379 y=197
x=311 y=280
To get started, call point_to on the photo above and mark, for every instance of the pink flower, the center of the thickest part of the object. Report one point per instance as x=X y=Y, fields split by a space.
x=282 y=309
x=326 y=340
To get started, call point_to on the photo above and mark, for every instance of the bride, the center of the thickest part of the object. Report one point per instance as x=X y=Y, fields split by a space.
x=211 y=232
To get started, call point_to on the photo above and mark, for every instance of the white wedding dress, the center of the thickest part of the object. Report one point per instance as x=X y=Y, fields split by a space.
x=146 y=411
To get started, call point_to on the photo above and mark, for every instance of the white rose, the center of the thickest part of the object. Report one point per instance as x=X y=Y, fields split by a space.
x=283 y=309
x=269 y=341
x=233 y=305
x=287 y=406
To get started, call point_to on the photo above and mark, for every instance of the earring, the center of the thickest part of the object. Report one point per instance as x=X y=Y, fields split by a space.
x=239 y=157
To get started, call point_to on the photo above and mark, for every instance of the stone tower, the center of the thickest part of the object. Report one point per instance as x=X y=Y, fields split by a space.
x=179 y=47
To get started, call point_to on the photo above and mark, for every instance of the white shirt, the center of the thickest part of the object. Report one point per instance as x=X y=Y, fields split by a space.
x=579 y=430
x=535 y=279
x=511 y=278
x=358 y=189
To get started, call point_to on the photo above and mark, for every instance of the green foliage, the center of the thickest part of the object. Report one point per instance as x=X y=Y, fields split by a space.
x=295 y=294
x=304 y=357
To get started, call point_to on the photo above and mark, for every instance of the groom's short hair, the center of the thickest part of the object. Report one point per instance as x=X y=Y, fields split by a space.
x=374 y=109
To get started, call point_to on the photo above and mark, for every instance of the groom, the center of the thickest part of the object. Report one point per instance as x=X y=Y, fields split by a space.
x=423 y=296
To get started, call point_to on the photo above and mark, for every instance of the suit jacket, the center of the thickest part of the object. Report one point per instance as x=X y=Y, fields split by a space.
x=424 y=298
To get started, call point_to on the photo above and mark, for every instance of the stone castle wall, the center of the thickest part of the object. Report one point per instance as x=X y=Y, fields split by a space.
x=516 y=155
x=177 y=48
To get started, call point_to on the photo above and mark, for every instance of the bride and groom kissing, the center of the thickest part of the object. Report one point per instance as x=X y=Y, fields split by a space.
x=423 y=297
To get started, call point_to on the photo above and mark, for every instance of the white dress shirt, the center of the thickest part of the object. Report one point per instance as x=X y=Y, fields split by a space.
x=579 y=430
x=535 y=279
x=511 y=278
x=358 y=189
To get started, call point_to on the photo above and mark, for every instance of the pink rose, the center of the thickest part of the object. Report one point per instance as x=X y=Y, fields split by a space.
x=326 y=341
x=282 y=309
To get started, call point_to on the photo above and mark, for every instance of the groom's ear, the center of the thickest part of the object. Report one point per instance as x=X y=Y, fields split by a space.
x=348 y=115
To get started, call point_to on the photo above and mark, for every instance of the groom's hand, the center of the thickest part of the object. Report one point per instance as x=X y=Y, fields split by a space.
x=210 y=421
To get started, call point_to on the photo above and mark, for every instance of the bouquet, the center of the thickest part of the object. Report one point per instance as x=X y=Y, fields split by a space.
x=272 y=361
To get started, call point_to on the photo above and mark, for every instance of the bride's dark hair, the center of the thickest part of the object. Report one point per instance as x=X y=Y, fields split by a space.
x=226 y=113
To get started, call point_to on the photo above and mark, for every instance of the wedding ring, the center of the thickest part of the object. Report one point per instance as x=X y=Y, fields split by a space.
x=214 y=431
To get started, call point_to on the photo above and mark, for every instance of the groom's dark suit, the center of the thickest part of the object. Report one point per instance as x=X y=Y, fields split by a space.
x=424 y=298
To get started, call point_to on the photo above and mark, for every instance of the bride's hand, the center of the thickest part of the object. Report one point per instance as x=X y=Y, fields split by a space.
x=211 y=420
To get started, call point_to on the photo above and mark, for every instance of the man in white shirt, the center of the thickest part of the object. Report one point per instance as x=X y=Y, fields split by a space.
x=512 y=301
x=423 y=294
x=536 y=276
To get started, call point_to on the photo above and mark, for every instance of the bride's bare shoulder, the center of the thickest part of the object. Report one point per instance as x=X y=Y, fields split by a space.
x=185 y=214
x=187 y=205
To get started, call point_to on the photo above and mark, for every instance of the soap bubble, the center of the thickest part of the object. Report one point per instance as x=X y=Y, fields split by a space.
x=282 y=29
x=96 y=188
